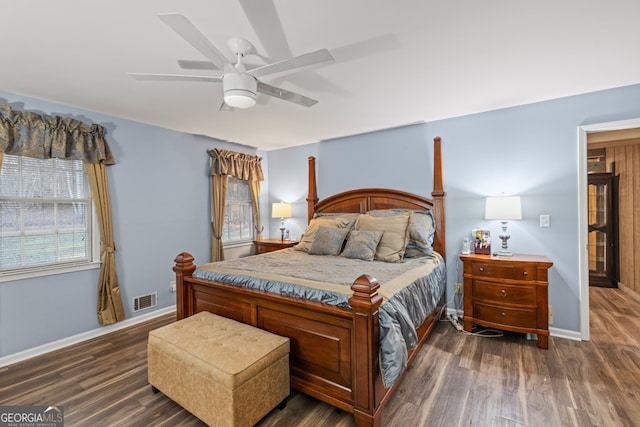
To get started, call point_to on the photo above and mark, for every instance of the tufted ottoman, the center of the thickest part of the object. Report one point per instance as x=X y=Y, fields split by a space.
x=222 y=371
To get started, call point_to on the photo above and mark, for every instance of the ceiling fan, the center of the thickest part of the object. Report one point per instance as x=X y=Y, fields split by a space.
x=240 y=85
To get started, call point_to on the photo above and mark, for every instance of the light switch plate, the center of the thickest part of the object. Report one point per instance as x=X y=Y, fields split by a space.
x=545 y=220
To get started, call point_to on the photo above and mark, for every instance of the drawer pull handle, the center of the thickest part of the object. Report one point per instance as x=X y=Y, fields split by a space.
x=526 y=273
x=503 y=293
x=481 y=268
x=503 y=314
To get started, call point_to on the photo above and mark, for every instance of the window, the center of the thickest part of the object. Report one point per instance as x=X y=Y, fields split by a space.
x=46 y=217
x=238 y=216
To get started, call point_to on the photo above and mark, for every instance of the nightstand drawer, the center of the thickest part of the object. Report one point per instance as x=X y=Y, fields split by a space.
x=508 y=316
x=501 y=292
x=504 y=271
x=262 y=249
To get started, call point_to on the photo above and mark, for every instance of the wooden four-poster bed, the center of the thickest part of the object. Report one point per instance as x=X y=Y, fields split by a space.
x=334 y=349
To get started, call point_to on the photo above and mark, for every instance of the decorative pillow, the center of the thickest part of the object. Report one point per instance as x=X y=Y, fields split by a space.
x=328 y=241
x=395 y=237
x=306 y=239
x=421 y=230
x=362 y=244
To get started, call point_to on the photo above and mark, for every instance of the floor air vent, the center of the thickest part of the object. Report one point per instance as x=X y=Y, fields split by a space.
x=145 y=301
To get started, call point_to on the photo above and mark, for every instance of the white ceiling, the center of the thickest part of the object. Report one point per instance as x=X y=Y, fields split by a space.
x=396 y=62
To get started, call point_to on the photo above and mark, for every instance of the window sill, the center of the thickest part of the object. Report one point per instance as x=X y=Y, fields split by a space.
x=237 y=244
x=46 y=271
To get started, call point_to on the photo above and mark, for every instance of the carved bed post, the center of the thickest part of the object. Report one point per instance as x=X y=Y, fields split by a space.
x=184 y=267
x=365 y=348
x=312 y=193
x=438 y=198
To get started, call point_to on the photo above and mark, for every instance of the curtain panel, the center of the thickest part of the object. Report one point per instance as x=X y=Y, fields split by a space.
x=226 y=163
x=31 y=134
x=218 y=205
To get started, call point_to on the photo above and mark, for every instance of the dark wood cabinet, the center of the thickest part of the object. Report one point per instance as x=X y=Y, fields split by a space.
x=508 y=293
x=603 y=230
x=269 y=245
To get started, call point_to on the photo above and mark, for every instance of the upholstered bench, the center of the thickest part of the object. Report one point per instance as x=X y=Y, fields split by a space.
x=224 y=372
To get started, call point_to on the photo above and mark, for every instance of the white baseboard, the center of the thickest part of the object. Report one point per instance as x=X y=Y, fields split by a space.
x=84 y=336
x=565 y=333
x=554 y=332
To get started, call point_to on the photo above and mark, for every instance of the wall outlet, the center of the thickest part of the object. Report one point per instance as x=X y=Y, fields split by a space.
x=457 y=288
x=172 y=286
x=550 y=314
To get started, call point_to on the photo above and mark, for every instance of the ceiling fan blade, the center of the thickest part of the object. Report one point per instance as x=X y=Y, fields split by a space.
x=286 y=95
x=264 y=19
x=189 y=64
x=175 y=77
x=297 y=63
x=185 y=29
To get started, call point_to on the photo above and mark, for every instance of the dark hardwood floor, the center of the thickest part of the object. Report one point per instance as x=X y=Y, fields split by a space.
x=456 y=380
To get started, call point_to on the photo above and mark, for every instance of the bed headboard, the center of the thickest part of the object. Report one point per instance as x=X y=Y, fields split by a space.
x=365 y=199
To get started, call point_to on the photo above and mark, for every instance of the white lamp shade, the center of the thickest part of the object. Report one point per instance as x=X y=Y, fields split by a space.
x=503 y=208
x=281 y=210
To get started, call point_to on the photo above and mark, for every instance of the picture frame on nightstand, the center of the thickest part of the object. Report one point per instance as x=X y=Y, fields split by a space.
x=481 y=241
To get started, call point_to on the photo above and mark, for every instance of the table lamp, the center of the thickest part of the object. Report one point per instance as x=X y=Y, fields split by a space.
x=504 y=209
x=281 y=210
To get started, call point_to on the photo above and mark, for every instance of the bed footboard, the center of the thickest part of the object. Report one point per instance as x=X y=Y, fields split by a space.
x=326 y=341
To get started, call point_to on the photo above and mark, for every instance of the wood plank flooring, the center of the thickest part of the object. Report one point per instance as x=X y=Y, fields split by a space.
x=456 y=380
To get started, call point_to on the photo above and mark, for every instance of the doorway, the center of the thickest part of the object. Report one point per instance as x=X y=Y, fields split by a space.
x=614 y=130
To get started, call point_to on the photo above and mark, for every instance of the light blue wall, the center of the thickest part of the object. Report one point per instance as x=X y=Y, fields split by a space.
x=159 y=189
x=288 y=183
x=530 y=150
x=160 y=205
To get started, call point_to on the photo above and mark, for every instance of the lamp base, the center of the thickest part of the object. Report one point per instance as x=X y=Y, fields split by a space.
x=282 y=229
x=504 y=251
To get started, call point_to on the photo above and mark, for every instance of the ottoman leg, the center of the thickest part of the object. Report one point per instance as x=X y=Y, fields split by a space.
x=282 y=404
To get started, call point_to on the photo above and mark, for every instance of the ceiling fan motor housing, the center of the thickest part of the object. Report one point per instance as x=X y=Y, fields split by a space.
x=239 y=90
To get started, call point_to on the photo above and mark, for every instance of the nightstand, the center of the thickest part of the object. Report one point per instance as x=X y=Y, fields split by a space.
x=508 y=293
x=269 y=245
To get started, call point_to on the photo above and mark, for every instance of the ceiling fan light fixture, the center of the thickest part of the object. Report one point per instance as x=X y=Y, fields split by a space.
x=239 y=99
x=239 y=90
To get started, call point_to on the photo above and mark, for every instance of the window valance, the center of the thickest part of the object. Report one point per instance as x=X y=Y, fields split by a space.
x=238 y=165
x=31 y=134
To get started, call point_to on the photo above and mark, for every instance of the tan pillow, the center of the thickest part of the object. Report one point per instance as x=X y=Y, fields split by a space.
x=315 y=224
x=395 y=237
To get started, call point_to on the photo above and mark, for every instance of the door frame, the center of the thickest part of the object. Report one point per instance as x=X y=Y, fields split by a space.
x=583 y=220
